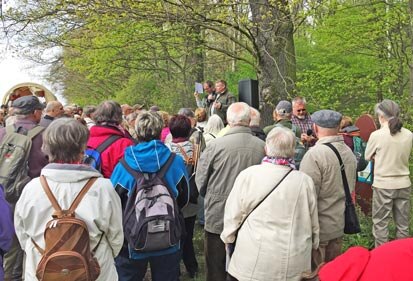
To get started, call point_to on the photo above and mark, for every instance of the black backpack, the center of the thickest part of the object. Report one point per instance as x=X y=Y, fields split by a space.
x=151 y=218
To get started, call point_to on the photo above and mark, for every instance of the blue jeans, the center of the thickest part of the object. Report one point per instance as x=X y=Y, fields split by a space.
x=163 y=268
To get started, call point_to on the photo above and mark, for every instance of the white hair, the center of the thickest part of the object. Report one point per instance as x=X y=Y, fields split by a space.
x=255 y=117
x=214 y=125
x=280 y=142
x=298 y=100
x=238 y=114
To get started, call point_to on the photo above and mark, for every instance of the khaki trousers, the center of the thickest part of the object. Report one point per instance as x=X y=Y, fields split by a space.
x=327 y=251
x=13 y=262
x=387 y=203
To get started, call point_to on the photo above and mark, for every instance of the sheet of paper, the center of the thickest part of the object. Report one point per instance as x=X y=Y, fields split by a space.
x=198 y=88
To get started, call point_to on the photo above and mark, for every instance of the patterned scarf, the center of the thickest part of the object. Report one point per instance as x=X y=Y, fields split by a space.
x=280 y=161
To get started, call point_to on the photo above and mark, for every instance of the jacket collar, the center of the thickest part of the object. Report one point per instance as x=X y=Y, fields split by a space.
x=330 y=139
x=238 y=130
x=69 y=172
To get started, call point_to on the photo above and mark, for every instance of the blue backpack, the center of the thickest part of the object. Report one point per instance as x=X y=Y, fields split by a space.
x=93 y=155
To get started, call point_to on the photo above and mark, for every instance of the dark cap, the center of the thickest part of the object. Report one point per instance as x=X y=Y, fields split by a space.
x=27 y=104
x=326 y=118
x=284 y=107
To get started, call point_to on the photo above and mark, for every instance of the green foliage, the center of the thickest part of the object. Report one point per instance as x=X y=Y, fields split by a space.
x=349 y=57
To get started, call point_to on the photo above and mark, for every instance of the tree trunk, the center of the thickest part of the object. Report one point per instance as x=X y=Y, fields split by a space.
x=274 y=44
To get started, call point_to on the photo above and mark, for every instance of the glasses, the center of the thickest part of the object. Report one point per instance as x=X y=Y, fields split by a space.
x=301 y=110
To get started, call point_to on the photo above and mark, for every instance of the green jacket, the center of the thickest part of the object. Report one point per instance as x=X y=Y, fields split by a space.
x=226 y=99
x=284 y=123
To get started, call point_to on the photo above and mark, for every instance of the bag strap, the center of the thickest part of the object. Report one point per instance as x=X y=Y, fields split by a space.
x=263 y=199
x=49 y=194
x=104 y=145
x=75 y=202
x=343 y=173
x=81 y=194
x=35 y=131
x=31 y=133
x=183 y=153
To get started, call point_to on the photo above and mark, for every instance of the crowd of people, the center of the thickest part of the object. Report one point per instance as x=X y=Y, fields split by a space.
x=271 y=200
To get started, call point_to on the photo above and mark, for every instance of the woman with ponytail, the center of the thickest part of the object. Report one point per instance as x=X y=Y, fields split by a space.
x=390 y=148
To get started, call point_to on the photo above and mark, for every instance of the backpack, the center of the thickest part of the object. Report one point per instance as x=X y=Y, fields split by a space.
x=14 y=160
x=93 y=156
x=359 y=151
x=151 y=219
x=67 y=255
x=190 y=165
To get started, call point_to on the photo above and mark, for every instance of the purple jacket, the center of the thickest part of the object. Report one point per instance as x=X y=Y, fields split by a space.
x=6 y=228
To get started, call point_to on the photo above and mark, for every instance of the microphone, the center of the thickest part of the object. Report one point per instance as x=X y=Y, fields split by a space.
x=309 y=132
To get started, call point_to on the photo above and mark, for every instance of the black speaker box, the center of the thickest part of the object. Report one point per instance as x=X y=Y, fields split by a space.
x=248 y=92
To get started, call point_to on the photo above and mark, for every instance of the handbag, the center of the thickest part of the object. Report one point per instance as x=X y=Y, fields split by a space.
x=351 y=224
x=231 y=246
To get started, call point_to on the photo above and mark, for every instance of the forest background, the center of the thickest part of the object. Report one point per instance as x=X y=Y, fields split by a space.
x=340 y=54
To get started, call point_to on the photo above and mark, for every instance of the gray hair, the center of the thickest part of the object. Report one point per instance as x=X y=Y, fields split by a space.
x=390 y=111
x=88 y=110
x=148 y=126
x=214 y=125
x=238 y=114
x=64 y=140
x=255 y=117
x=298 y=100
x=51 y=105
x=280 y=142
x=108 y=112
x=187 y=112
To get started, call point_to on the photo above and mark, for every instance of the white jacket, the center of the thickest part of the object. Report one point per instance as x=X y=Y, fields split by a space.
x=276 y=240
x=100 y=209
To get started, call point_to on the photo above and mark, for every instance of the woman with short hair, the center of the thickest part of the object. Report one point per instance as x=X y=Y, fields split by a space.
x=64 y=142
x=276 y=239
x=390 y=148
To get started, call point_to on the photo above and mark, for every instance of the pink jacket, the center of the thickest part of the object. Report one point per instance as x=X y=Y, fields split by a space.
x=111 y=156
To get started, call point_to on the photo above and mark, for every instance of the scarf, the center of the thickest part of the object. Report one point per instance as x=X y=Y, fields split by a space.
x=280 y=161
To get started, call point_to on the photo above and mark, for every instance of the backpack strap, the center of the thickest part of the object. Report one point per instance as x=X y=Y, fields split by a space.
x=49 y=194
x=31 y=133
x=35 y=131
x=58 y=210
x=183 y=153
x=104 y=145
x=81 y=194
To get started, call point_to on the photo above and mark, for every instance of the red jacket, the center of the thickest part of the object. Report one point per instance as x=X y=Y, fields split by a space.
x=392 y=261
x=111 y=156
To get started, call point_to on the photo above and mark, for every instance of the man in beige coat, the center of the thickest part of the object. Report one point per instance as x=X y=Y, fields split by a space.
x=219 y=165
x=322 y=165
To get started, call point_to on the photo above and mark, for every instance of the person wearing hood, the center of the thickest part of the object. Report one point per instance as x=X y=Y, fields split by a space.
x=64 y=141
x=148 y=156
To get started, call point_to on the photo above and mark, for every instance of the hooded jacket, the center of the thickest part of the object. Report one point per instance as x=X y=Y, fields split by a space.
x=110 y=157
x=149 y=157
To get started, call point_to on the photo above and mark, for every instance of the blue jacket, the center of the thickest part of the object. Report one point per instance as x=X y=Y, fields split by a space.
x=6 y=228
x=149 y=157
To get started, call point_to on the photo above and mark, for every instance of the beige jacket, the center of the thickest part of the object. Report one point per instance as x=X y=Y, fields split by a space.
x=322 y=165
x=100 y=209
x=276 y=240
x=220 y=163
x=391 y=157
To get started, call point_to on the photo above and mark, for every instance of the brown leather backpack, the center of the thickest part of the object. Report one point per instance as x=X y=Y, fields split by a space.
x=67 y=256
